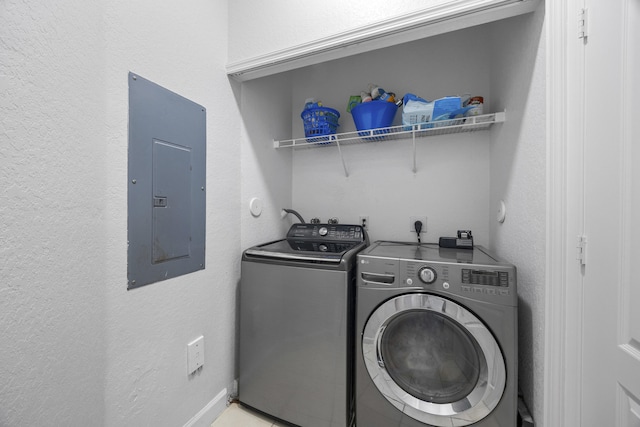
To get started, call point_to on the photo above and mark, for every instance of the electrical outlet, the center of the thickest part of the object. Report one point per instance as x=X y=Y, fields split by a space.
x=364 y=222
x=195 y=355
x=412 y=223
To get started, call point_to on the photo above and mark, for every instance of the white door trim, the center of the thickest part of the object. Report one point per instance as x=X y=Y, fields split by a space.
x=563 y=291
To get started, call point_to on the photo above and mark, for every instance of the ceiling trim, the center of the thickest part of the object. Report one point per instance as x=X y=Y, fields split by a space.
x=453 y=15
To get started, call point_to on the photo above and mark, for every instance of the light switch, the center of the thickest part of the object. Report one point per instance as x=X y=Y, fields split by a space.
x=195 y=355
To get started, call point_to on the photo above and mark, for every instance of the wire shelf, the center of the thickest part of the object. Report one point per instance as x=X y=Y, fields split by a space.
x=442 y=127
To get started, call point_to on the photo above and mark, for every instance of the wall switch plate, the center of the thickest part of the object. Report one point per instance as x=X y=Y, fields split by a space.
x=412 y=222
x=195 y=355
x=364 y=222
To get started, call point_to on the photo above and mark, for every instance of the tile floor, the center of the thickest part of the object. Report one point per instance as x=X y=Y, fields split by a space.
x=238 y=416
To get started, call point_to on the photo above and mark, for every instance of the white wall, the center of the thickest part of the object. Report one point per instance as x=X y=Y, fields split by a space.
x=298 y=22
x=183 y=48
x=266 y=173
x=518 y=176
x=52 y=213
x=78 y=348
x=451 y=186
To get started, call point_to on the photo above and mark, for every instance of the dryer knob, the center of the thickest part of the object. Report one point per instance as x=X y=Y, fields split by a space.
x=323 y=231
x=427 y=275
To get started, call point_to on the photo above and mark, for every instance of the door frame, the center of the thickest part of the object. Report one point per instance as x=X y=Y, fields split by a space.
x=565 y=220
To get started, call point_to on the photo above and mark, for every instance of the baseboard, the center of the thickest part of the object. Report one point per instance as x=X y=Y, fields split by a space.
x=211 y=411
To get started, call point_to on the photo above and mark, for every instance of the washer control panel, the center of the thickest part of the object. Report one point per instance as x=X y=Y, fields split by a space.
x=335 y=232
x=485 y=277
x=477 y=282
x=468 y=273
x=427 y=275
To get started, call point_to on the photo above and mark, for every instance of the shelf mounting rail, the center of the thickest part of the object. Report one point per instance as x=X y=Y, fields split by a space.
x=441 y=127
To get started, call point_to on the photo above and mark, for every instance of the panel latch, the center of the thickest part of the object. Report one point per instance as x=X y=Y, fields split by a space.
x=159 y=202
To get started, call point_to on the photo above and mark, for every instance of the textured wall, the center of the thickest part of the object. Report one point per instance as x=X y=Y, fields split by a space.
x=77 y=348
x=52 y=213
x=183 y=48
x=518 y=176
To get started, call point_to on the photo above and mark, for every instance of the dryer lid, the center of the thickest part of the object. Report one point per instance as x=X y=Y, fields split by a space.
x=431 y=252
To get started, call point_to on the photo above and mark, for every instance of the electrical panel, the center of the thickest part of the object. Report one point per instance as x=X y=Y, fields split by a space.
x=166 y=189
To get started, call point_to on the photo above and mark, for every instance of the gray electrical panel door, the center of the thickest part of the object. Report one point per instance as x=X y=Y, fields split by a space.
x=167 y=172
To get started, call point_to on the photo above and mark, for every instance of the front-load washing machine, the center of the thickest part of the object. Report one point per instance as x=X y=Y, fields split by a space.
x=436 y=337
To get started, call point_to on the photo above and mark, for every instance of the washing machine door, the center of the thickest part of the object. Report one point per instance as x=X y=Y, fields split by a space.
x=434 y=360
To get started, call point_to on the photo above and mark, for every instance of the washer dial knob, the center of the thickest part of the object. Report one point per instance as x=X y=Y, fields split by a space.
x=427 y=275
x=323 y=231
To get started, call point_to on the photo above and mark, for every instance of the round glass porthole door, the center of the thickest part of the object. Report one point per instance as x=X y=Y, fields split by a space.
x=434 y=360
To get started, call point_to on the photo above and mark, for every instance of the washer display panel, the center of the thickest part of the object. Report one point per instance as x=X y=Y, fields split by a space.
x=434 y=360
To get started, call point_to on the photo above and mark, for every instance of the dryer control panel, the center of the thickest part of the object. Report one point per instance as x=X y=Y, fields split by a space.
x=445 y=272
x=485 y=277
x=478 y=282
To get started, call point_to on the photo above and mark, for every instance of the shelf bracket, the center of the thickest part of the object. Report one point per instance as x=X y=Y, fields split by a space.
x=344 y=165
x=413 y=135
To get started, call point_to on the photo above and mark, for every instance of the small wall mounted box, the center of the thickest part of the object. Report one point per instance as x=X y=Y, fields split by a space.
x=463 y=241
